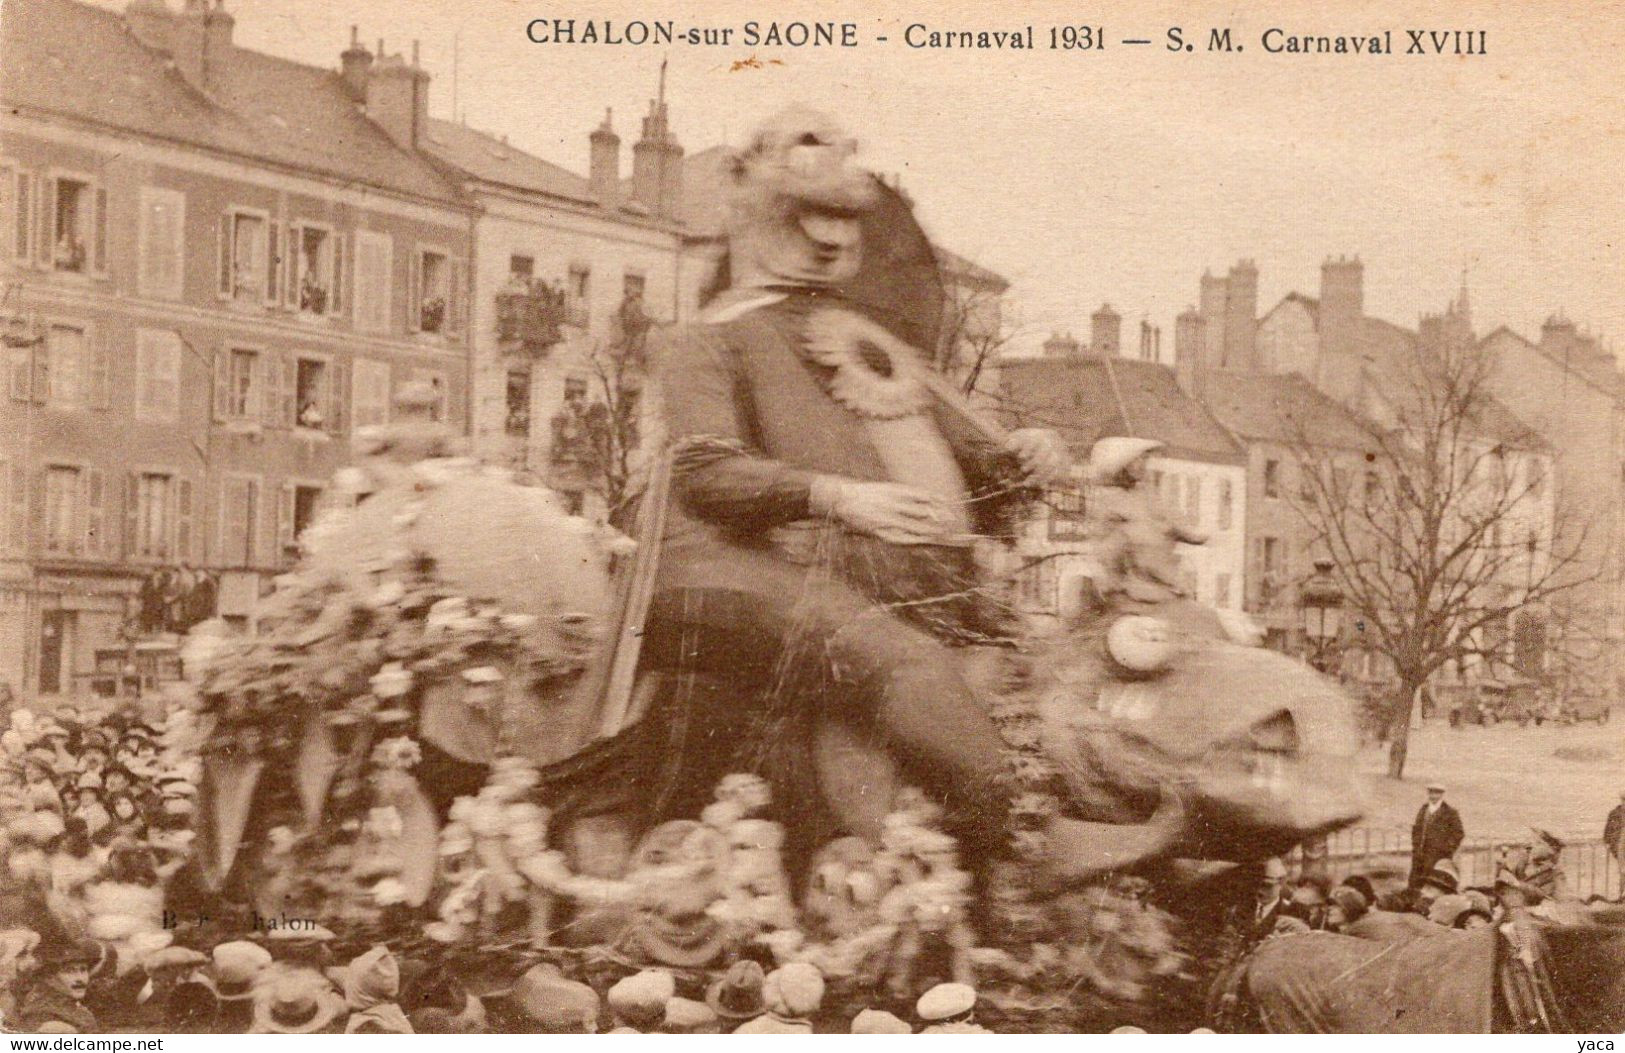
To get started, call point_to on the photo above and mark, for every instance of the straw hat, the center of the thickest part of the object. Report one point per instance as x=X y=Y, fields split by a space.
x=879 y=1022
x=945 y=1002
x=301 y=1002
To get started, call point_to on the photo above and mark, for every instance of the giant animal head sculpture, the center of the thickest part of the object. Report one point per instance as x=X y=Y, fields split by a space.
x=795 y=202
x=1258 y=747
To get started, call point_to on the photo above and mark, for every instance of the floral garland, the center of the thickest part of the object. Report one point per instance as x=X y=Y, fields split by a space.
x=849 y=344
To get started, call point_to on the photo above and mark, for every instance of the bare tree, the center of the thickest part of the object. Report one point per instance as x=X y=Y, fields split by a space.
x=1447 y=533
x=974 y=332
x=618 y=368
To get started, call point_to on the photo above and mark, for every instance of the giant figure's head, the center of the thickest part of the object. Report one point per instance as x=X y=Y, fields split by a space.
x=795 y=204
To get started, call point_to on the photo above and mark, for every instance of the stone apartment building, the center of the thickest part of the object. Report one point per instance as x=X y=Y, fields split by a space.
x=1200 y=474
x=1325 y=350
x=216 y=265
x=1571 y=391
x=568 y=272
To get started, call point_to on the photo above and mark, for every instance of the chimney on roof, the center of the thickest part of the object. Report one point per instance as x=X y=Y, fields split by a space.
x=1215 y=294
x=1188 y=353
x=1105 y=331
x=1241 y=317
x=398 y=97
x=199 y=42
x=1058 y=346
x=1342 y=304
x=604 y=163
x=355 y=62
x=657 y=160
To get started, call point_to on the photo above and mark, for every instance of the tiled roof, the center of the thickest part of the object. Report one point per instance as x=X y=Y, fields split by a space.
x=953 y=264
x=80 y=62
x=1283 y=408
x=487 y=158
x=1091 y=396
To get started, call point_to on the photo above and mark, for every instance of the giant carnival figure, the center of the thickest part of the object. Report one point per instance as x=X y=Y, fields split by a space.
x=470 y=705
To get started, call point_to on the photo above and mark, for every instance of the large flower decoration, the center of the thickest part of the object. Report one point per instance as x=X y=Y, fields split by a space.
x=875 y=374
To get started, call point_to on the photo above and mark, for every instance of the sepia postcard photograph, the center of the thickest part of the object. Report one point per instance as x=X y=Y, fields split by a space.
x=778 y=518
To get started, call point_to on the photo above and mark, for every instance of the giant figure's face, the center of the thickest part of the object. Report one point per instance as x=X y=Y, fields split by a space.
x=796 y=203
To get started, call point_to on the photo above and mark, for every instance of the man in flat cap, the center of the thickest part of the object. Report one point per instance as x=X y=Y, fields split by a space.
x=1435 y=835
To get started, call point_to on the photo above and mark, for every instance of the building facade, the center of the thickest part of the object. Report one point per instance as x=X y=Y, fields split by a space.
x=1200 y=474
x=217 y=265
x=570 y=276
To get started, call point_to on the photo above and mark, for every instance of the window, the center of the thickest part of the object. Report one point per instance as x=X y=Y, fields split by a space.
x=295 y=514
x=1373 y=488
x=246 y=250
x=78 y=234
x=1221 y=590
x=518 y=420
x=239 y=519
x=437 y=382
x=632 y=286
x=152 y=515
x=1039 y=586
x=311 y=393
x=433 y=291
x=242 y=384
x=157 y=375
x=1066 y=521
x=313 y=280
x=521 y=266
x=374 y=260
x=371 y=395
x=1307 y=480
x=575 y=388
x=62 y=525
x=69 y=374
x=1272 y=478
x=161 y=243
x=1193 y=499
x=9 y=213
x=1227 y=509
x=580 y=295
x=1271 y=552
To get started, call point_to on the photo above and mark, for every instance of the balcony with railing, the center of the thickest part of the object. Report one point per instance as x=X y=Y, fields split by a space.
x=532 y=315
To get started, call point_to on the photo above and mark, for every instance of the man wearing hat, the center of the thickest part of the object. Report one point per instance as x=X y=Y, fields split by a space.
x=1442 y=880
x=737 y=996
x=56 y=1003
x=1539 y=875
x=299 y=1002
x=1613 y=831
x=1435 y=835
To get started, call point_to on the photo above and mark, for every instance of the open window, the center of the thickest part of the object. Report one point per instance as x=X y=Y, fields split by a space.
x=243 y=381
x=77 y=231
x=518 y=419
x=305 y=501
x=246 y=275
x=434 y=291
x=313 y=286
x=311 y=393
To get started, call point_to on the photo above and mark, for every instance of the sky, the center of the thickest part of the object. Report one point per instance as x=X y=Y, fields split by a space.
x=1119 y=174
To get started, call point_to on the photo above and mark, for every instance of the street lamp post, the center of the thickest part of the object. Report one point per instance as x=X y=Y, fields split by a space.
x=1320 y=603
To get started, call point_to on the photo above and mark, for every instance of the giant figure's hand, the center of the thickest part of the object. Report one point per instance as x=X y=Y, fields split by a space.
x=901 y=515
x=1042 y=454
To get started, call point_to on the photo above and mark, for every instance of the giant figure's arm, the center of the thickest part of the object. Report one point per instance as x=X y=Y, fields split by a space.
x=718 y=470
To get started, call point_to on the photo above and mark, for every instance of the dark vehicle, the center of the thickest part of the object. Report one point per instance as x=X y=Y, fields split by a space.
x=1579 y=707
x=1492 y=701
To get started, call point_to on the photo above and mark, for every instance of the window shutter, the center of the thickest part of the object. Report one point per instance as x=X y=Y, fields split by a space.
x=45 y=234
x=338 y=391
x=36 y=508
x=101 y=369
x=273 y=264
x=132 y=513
x=273 y=415
x=98 y=257
x=185 y=532
x=20 y=365
x=22 y=228
x=95 y=517
x=41 y=386
x=414 y=293
x=454 y=299
x=226 y=283
x=8 y=209
x=284 y=521
x=17 y=510
x=289 y=398
x=335 y=299
x=222 y=384
x=294 y=239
